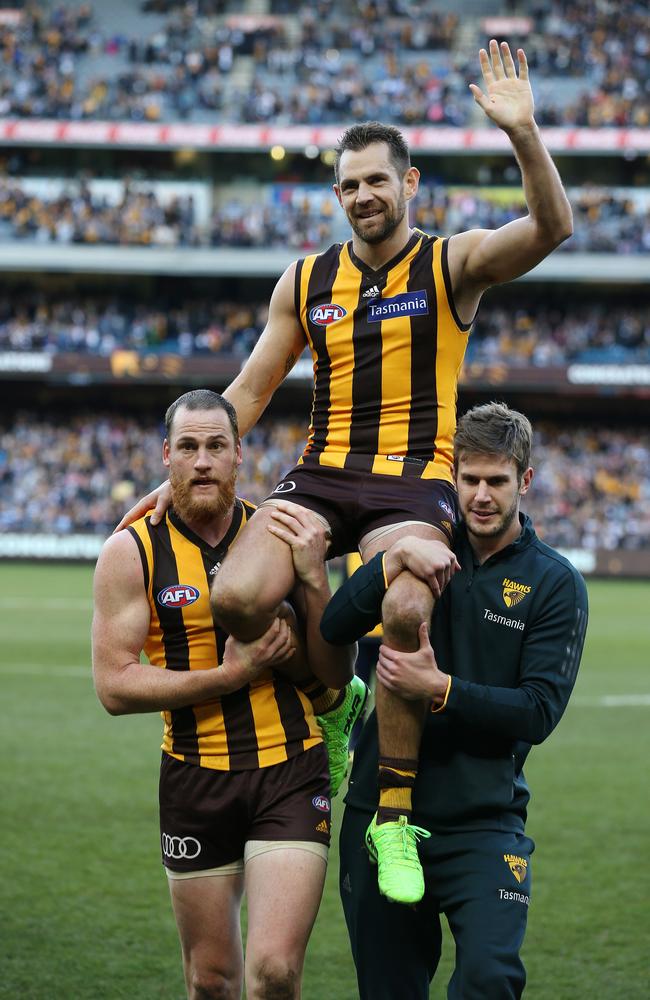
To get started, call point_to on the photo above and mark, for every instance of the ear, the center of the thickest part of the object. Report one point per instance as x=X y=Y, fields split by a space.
x=337 y=191
x=411 y=182
x=526 y=480
x=165 y=453
x=238 y=455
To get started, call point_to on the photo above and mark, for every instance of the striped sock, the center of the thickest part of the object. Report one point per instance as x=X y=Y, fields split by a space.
x=396 y=780
x=323 y=699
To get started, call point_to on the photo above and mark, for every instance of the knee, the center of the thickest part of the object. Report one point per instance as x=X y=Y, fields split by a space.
x=492 y=980
x=273 y=979
x=407 y=603
x=232 y=606
x=212 y=984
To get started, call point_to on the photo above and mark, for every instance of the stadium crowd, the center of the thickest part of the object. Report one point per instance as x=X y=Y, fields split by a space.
x=298 y=216
x=79 y=474
x=523 y=332
x=329 y=62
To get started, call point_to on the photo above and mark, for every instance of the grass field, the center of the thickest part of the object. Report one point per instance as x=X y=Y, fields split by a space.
x=84 y=909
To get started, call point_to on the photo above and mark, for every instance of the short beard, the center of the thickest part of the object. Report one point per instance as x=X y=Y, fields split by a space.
x=500 y=528
x=391 y=222
x=202 y=510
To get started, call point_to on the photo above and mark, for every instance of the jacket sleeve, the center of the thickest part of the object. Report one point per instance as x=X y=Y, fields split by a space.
x=549 y=664
x=355 y=608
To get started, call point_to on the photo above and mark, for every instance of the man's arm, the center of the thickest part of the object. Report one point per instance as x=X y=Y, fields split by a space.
x=480 y=258
x=276 y=352
x=120 y=626
x=303 y=531
x=547 y=670
x=355 y=608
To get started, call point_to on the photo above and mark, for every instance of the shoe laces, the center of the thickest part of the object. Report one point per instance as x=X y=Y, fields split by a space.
x=404 y=845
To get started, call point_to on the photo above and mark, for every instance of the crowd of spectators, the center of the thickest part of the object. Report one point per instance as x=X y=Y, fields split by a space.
x=520 y=333
x=300 y=217
x=334 y=61
x=79 y=474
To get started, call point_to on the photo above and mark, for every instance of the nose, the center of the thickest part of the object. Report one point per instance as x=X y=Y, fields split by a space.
x=364 y=193
x=202 y=460
x=482 y=492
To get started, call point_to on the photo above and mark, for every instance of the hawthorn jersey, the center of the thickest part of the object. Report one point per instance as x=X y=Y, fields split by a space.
x=264 y=723
x=387 y=348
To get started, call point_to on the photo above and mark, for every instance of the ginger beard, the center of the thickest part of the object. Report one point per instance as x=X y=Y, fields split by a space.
x=194 y=506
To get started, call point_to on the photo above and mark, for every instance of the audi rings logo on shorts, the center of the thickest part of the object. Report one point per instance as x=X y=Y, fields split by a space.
x=285 y=487
x=180 y=848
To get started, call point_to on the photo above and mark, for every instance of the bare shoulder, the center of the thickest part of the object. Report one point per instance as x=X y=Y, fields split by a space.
x=460 y=248
x=119 y=565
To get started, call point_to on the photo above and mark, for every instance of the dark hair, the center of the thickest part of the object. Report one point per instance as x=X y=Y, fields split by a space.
x=360 y=136
x=202 y=399
x=494 y=429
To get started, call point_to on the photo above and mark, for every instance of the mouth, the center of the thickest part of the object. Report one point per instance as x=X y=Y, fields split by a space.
x=369 y=215
x=483 y=515
x=204 y=482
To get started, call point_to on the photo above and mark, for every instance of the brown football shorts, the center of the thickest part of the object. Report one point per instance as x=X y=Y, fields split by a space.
x=354 y=503
x=208 y=816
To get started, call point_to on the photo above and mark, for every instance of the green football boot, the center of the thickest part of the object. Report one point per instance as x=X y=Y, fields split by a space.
x=336 y=727
x=393 y=847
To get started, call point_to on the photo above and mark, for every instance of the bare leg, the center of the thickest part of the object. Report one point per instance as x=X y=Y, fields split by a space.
x=207 y=915
x=255 y=577
x=284 y=889
x=407 y=603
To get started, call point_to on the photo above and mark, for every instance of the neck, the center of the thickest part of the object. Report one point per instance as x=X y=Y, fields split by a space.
x=211 y=531
x=375 y=255
x=484 y=547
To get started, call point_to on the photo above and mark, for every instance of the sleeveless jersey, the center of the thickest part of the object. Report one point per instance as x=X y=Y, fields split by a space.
x=267 y=721
x=387 y=348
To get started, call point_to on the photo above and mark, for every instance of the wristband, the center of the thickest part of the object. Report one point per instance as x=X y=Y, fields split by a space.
x=444 y=700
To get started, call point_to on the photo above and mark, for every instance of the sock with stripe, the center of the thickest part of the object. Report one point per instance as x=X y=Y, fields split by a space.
x=396 y=780
x=323 y=699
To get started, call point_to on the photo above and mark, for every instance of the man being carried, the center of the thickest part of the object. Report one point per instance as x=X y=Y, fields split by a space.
x=386 y=317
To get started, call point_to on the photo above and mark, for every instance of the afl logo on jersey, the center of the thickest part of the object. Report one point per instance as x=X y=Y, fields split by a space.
x=324 y=315
x=178 y=596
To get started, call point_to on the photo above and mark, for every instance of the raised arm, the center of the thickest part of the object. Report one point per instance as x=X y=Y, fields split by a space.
x=276 y=352
x=480 y=258
x=120 y=627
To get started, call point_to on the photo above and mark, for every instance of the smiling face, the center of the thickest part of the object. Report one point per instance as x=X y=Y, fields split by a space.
x=202 y=456
x=489 y=492
x=373 y=194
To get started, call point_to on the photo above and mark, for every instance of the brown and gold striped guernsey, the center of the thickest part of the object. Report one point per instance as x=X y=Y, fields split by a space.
x=265 y=722
x=387 y=347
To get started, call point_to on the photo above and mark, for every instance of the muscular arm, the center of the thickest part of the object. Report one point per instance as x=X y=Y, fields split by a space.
x=120 y=626
x=272 y=358
x=480 y=258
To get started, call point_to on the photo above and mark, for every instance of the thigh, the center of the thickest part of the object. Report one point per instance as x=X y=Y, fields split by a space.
x=395 y=948
x=283 y=892
x=257 y=572
x=485 y=886
x=207 y=911
x=406 y=506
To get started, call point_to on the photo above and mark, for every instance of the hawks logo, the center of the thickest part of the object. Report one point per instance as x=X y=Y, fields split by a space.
x=514 y=593
x=518 y=866
x=324 y=315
